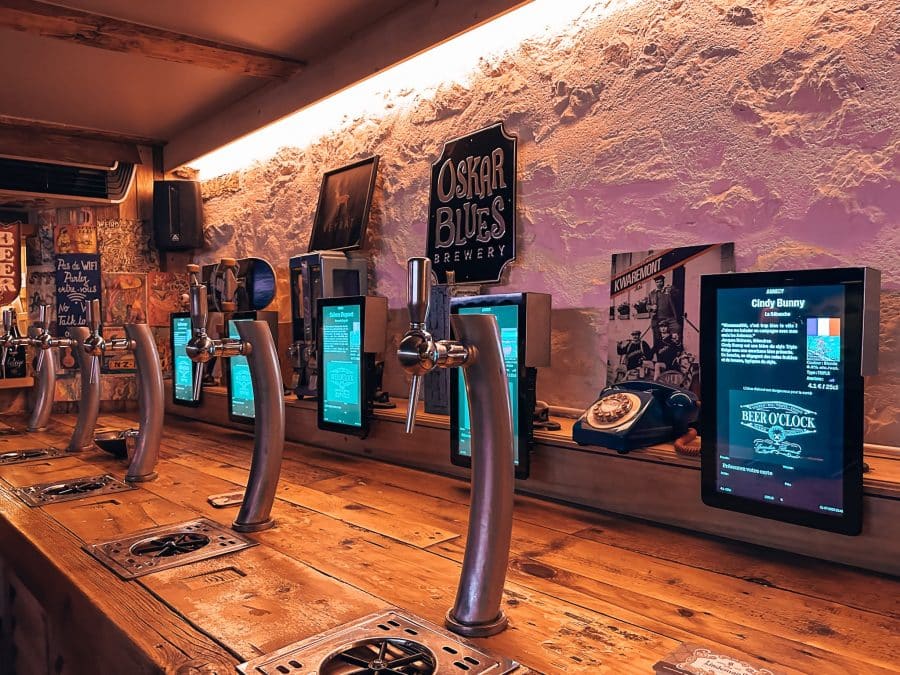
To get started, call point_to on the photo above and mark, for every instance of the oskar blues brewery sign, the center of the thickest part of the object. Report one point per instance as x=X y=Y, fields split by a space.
x=472 y=210
x=779 y=422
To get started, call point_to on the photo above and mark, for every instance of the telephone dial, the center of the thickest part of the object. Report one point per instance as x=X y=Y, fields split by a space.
x=636 y=413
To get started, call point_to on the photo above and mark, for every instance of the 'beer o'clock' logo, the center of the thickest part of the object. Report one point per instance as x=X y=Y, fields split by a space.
x=779 y=421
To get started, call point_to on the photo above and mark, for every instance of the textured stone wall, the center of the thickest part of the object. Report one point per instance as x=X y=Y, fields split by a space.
x=770 y=123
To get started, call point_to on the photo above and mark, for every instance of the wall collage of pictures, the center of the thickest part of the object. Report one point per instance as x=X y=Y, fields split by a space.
x=79 y=254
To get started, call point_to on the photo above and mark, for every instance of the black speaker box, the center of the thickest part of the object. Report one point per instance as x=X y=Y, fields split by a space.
x=177 y=215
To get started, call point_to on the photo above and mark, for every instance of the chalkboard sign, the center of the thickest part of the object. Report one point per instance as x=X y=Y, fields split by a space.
x=77 y=283
x=472 y=210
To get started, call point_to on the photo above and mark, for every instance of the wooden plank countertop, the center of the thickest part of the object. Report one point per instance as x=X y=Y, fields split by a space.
x=587 y=592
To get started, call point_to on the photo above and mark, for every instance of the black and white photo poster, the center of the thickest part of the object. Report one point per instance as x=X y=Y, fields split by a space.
x=654 y=313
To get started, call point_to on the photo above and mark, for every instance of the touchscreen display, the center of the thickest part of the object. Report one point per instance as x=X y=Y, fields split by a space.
x=342 y=365
x=508 y=322
x=240 y=391
x=182 y=366
x=780 y=360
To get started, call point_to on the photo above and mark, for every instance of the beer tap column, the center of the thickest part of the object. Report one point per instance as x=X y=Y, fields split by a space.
x=257 y=344
x=45 y=368
x=90 y=343
x=476 y=611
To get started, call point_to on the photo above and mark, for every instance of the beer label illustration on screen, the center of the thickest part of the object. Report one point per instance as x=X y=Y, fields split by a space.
x=779 y=422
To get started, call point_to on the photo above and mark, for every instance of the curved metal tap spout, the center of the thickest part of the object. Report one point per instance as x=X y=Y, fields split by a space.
x=151 y=405
x=45 y=369
x=268 y=439
x=89 y=404
x=476 y=612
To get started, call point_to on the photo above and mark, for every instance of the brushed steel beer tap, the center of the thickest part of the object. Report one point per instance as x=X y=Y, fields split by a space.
x=139 y=340
x=257 y=344
x=477 y=350
x=9 y=340
x=45 y=368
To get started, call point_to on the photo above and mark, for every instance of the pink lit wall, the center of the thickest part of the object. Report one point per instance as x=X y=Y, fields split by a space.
x=770 y=124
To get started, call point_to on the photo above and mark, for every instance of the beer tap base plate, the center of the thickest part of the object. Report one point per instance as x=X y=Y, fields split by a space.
x=146 y=478
x=253 y=527
x=486 y=629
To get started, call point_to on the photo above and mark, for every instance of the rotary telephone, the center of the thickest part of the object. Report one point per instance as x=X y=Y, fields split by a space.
x=634 y=414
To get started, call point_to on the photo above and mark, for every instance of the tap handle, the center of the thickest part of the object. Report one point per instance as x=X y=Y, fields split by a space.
x=93 y=316
x=43 y=321
x=419 y=290
x=193 y=274
x=229 y=269
x=199 y=311
x=198 y=380
x=9 y=319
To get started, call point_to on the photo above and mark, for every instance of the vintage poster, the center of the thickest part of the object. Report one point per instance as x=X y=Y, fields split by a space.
x=41 y=286
x=162 y=335
x=117 y=362
x=126 y=245
x=654 y=313
x=78 y=237
x=164 y=294
x=77 y=283
x=124 y=299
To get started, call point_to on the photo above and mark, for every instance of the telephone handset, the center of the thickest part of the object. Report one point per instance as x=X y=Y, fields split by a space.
x=636 y=413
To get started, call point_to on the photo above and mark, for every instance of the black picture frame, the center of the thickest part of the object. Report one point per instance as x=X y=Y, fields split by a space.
x=853 y=280
x=342 y=212
x=175 y=400
x=352 y=430
x=526 y=388
x=232 y=416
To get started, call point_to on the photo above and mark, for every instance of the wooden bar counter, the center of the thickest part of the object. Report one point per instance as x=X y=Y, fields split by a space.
x=587 y=592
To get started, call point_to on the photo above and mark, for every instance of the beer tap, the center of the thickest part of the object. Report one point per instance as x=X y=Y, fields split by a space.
x=9 y=339
x=476 y=611
x=88 y=358
x=139 y=340
x=257 y=344
x=45 y=368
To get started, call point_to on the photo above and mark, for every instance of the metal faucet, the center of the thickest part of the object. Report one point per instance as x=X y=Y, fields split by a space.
x=257 y=344
x=476 y=611
x=45 y=367
x=9 y=340
x=139 y=339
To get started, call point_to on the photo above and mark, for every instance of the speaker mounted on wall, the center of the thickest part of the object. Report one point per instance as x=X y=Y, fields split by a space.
x=177 y=215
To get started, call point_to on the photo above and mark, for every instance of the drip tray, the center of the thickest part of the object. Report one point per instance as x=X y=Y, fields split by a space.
x=69 y=490
x=383 y=643
x=28 y=455
x=168 y=546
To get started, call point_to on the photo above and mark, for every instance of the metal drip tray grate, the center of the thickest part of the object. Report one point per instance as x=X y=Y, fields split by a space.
x=28 y=455
x=65 y=491
x=168 y=546
x=383 y=643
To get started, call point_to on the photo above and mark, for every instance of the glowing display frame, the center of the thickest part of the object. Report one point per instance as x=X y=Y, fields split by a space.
x=324 y=306
x=239 y=376
x=523 y=396
x=179 y=357
x=839 y=393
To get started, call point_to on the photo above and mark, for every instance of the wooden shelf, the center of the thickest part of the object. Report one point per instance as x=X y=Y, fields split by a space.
x=16 y=382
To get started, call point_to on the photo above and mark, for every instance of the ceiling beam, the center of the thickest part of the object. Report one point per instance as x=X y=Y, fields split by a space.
x=58 y=143
x=95 y=30
x=416 y=26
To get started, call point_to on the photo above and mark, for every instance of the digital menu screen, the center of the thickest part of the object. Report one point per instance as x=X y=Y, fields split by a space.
x=779 y=437
x=509 y=311
x=182 y=366
x=241 y=406
x=341 y=363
